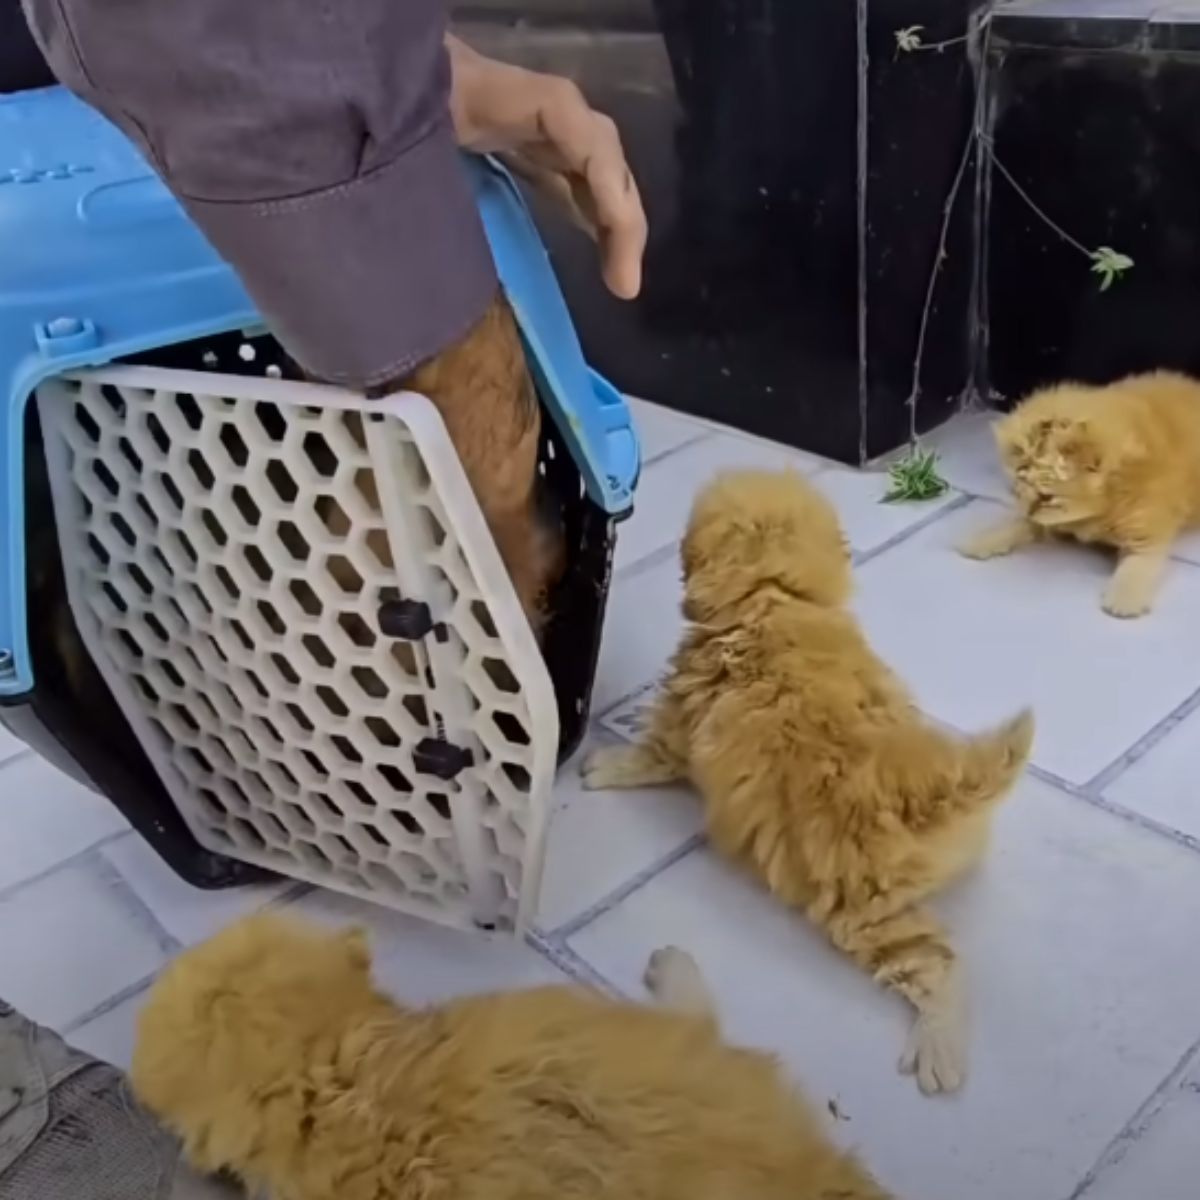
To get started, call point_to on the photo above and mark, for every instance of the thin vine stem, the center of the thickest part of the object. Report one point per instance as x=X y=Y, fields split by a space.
x=927 y=311
x=938 y=46
x=1107 y=263
x=984 y=30
x=1037 y=210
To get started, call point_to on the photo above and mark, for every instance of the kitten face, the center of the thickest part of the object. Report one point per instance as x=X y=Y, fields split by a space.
x=1057 y=465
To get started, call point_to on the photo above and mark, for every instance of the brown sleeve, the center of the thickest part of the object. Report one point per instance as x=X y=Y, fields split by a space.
x=310 y=141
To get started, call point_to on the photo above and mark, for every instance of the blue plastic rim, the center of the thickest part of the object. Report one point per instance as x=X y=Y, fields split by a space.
x=100 y=262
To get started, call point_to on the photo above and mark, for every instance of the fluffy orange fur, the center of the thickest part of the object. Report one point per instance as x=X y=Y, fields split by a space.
x=270 y=1052
x=1116 y=465
x=815 y=768
x=482 y=388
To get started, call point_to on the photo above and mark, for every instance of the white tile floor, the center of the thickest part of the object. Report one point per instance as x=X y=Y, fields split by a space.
x=1079 y=933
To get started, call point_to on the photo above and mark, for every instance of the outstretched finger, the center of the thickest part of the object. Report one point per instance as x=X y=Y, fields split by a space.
x=588 y=147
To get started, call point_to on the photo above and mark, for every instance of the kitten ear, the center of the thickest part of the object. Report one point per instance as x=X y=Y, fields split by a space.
x=1078 y=430
x=1058 y=425
x=1095 y=445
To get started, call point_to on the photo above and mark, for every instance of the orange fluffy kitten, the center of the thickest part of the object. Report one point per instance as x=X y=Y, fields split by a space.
x=1118 y=465
x=815 y=768
x=270 y=1052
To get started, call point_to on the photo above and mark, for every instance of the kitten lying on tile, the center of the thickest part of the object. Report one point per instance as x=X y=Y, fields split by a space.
x=1116 y=465
x=271 y=1053
x=816 y=770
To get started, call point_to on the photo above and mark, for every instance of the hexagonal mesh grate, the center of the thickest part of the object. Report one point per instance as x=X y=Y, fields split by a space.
x=250 y=562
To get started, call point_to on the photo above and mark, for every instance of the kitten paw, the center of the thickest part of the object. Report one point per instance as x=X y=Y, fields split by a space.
x=989 y=544
x=605 y=767
x=625 y=767
x=675 y=980
x=1002 y=538
x=936 y=1052
x=1125 y=602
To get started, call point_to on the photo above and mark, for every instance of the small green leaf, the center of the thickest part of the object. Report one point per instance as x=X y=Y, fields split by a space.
x=1110 y=265
x=908 y=38
x=915 y=477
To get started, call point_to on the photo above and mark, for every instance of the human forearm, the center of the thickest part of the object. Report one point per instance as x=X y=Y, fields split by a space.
x=312 y=145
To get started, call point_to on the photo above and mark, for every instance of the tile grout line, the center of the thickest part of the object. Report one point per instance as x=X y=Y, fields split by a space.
x=114 y=1001
x=696 y=439
x=167 y=941
x=960 y=501
x=563 y=958
x=1085 y=793
x=107 y=872
x=720 y=429
x=602 y=718
x=1144 y=744
x=623 y=891
x=1097 y=801
x=296 y=892
x=647 y=562
x=15 y=756
x=73 y=860
x=1139 y=1124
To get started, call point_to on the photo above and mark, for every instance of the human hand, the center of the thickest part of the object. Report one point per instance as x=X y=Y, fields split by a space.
x=543 y=128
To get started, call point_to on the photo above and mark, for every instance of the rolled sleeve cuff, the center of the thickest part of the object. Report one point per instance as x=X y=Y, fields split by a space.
x=363 y=281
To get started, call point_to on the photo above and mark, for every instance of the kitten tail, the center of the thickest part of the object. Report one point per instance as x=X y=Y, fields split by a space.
x=992 y=762
x=936 y=777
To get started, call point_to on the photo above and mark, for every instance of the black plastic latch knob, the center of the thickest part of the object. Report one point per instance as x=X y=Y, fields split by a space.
x=440 y=758
x=410 y=620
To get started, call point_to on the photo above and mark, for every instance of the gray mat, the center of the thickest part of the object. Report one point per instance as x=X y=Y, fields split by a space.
x=70 y=1128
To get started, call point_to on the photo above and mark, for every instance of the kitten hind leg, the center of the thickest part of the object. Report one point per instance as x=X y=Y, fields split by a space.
x=1135 y=583
x=1003 y=538
x=674 y=979
x=908 y=953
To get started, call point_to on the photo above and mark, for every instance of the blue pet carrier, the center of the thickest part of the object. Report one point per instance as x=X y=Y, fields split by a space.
x=393 y=737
